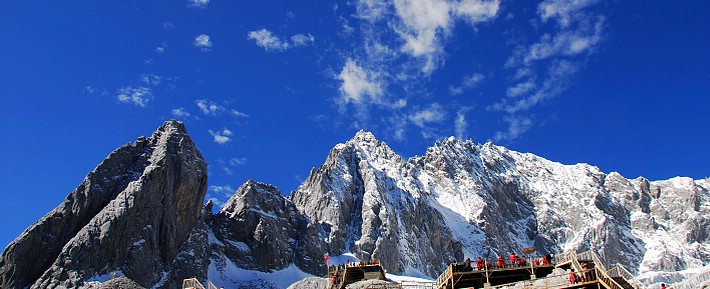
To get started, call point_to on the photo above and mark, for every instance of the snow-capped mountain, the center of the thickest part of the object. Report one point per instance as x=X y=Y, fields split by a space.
x=485 y=200
x=140 y=214
x=494 y=201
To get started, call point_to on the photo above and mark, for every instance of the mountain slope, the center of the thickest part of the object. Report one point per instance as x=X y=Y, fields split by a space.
x=140 y=214
x=463 y=200
x=130 y=215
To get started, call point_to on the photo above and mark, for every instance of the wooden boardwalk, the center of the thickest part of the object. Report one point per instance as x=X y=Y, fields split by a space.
x=589 y=272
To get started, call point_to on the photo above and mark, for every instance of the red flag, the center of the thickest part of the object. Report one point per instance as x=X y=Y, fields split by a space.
x=325 y=260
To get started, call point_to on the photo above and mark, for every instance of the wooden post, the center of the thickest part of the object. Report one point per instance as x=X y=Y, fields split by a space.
x=485 y=266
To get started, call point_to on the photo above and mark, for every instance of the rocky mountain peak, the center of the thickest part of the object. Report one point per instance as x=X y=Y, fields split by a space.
x=131 y=214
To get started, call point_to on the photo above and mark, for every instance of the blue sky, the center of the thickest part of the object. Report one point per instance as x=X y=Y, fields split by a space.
x=267 y=88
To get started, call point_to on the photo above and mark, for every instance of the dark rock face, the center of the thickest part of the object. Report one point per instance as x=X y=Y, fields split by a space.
x=120 y=283
x=140 y=214
x=462 y=200
x=131 y=214
x=367 y=200
x=259 y=229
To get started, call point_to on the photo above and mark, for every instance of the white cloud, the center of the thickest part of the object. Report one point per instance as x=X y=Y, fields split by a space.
x=434 y=113
x=221 y=189
x=359 y=86
x=372 y=10
x=543 y=69
x=556 y=81
x=476 y=11
x=468 y=82
x=237 y=161
x=151 y=79
x=267 y=40
x=237 y=113
x=422 y=19
x=517 y=125
x=203 y=42
x=139 y=96
x=569 y=43
x=270 y=42
x=455 y=90
x=520 y=88
x=213 y=108
x=180 y=112
x=197 y=3
x=425 y=22
x=168 y=25
x=161 y=48
x=460 y=124
x=302 y=40
x=221 y=137
x=209 y=108
x=565 y=11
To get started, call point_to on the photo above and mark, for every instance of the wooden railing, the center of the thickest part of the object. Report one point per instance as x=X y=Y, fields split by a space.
x=404 y=285
x=693 y=282
x=620 y=271
x=193 y=283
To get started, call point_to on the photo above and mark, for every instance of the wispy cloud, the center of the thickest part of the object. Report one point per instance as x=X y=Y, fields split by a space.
x=433 y=113
x=468 y=82
x=151 y=79
x=564 y=11
x=203 y=42
x=461 y=124
x=226 y=189
x=213 y=108
x=543 y=70
x=161 y=48
x=221 y=137
x=219 y=194
x=422 y=24
x=138 y=96
x=402 y=43
x=237 y=161
x=270 y=42
x=180 y=113
x=302 y=40
x=228 y=165
x=517 y=125
x=198 y=3
x=358 y=85
x=209 y=107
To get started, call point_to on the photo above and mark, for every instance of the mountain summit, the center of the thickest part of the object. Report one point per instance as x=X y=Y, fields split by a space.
x=140 y=214
x=463 y=200
x=130 y=215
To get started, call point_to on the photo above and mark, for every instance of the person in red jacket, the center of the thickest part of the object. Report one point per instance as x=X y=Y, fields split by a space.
x=479 y=263
x=501 y=263
x=572 y=277
x=513 y=259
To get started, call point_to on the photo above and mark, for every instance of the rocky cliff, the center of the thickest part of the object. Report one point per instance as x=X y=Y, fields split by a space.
x=464 y=200
x=140 y=214
x=132 y=215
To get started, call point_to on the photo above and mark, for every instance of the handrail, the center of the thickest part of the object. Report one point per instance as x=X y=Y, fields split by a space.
x=597 y=262
x=192 y=283
x=551 y=282
x=693 y=281
x=623 y=273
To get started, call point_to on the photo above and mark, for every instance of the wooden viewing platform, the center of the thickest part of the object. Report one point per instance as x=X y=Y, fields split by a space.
x=589 y=271
x=463 y=275
x=343 y=275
